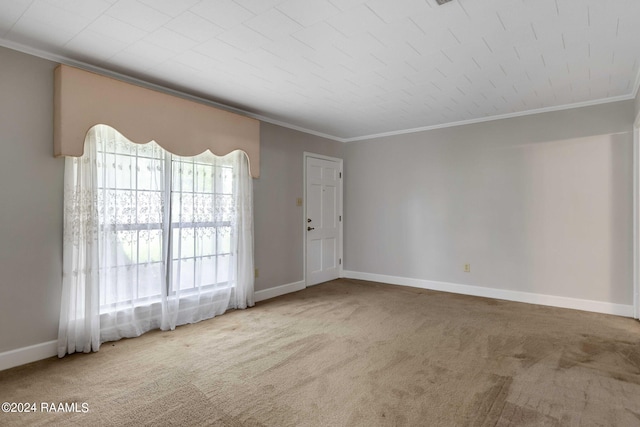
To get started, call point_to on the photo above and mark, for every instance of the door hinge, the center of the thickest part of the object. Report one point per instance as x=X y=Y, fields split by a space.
x=340 y=174
x=340 y=218
x=340 y=261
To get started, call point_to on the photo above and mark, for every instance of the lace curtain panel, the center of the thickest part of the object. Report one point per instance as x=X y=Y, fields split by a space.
x=151 y=240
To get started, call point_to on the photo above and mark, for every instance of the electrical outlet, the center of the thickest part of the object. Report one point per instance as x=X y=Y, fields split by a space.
x=256 y=273
x=467 y=268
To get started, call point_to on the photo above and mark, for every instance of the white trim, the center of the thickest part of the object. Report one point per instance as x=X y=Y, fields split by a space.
x=636 y=84
x=164 y=89
x=277 y=291
x=492 y=118
x=24 y=355
x=636 y=219
x=293 y=127
x=322 y=157
x=340 y=162
x=504 y=294
x=33 y=353
x=86 y=66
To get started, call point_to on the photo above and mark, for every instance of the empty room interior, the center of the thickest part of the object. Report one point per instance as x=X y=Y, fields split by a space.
x=320 y=212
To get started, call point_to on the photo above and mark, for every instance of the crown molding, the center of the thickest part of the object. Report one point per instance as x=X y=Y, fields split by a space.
x=61 y=59
x=492 y=118
x=140 y=82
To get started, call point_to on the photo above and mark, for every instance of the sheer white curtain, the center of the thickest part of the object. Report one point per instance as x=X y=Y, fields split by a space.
x=151 y=240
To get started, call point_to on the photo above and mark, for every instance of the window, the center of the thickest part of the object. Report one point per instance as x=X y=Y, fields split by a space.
x=135 y=184
x=152 y=239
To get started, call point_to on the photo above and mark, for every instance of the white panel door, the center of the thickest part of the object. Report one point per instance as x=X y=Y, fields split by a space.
x=323 y=218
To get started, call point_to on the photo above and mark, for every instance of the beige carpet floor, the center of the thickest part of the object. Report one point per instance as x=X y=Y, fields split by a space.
x=353 y=353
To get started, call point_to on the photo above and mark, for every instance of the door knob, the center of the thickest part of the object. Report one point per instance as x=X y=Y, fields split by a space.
x=310 y=228
x=308 y=219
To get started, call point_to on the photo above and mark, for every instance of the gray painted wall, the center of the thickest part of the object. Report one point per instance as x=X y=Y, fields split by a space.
x=538 y=204
x=31 y=181
x=278 y=233
x=541 y=203
x=31 y=203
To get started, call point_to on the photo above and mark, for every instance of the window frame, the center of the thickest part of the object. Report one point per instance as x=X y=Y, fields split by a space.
x=171 y=162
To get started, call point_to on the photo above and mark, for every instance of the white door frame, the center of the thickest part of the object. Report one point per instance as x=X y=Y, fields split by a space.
x=305 y=156
x=636 y=218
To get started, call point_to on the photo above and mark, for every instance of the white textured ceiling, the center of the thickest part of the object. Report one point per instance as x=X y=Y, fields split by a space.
x=351 y=68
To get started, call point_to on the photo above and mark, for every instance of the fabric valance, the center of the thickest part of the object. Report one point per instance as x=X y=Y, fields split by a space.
x=183 y=127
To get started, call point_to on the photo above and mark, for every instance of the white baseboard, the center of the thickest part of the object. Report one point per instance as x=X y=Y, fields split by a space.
x=33 y=353
x=279 y=290
x=504 y=294
x=22 y=356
